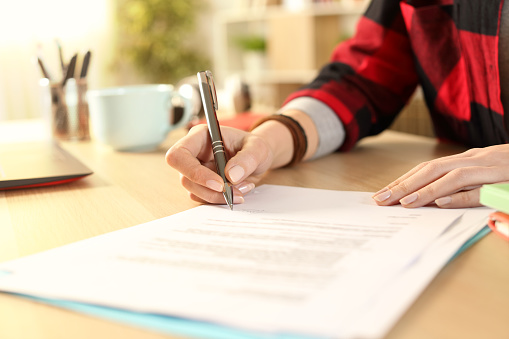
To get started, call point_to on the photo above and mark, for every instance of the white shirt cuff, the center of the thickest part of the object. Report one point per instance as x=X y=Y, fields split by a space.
x=331 y=132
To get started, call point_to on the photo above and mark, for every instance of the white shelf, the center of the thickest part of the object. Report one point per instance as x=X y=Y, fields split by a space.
x=280 y=77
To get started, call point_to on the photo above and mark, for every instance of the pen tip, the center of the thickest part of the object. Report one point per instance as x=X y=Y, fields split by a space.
x=228 y=195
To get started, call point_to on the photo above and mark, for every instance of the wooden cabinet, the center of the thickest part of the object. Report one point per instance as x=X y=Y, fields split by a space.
x=299 y=43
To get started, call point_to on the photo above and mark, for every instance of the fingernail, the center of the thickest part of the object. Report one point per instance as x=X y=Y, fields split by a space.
x=409 y=199
x=443 y=201
x=237 y=199
x=214 y=185
x=383 y=195
x=244 y=189
x=377 y=193
x=236 y=173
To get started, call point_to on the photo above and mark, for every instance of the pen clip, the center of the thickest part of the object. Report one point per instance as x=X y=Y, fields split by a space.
x=212 y=88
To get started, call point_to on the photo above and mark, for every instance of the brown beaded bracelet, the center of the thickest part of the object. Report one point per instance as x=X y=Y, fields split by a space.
x=300 y=141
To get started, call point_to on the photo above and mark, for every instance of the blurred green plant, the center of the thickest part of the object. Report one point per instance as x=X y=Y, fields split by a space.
x=154 y=36
x=254 y=43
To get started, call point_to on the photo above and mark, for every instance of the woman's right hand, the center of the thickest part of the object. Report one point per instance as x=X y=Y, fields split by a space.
x=250 y=157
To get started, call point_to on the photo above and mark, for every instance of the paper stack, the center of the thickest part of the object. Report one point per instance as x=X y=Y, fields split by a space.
x=288 y=263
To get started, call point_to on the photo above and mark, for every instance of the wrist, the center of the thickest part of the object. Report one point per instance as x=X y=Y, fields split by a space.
x=309 y=128
x=292 y=136
x=279 y=140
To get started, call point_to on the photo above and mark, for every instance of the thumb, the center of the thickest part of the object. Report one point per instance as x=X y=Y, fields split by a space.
x=253 y=159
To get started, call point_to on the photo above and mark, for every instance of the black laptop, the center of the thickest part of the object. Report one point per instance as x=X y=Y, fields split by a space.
x=35 y=164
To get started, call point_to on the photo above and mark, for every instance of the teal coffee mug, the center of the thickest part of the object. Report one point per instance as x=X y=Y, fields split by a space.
x=135 y=118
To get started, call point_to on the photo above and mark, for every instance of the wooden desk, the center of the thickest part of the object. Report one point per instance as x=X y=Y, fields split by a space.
x=468 y=299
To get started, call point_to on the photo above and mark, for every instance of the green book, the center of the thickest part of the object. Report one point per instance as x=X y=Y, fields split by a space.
x=496 y=196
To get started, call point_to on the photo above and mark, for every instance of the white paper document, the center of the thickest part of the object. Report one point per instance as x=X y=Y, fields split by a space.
x=289 y=260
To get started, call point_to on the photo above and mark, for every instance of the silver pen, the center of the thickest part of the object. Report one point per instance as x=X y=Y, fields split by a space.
x=209 y=100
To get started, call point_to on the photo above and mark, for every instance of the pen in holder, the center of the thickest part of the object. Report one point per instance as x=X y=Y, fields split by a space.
x=68 y=116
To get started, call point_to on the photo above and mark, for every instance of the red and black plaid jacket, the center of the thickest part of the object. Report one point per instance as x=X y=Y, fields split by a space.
x=449 y=47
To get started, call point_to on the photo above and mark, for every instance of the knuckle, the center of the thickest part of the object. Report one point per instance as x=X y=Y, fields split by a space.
x=402 y=187
x=472 y=152
x=495 y=158
x=423 y=164
x=428 y=191
x=177 y=155
x=460 y=176
x=172 y=156
x=433 y=167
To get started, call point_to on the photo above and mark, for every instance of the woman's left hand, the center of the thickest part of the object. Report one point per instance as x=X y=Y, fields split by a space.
x=450 y=182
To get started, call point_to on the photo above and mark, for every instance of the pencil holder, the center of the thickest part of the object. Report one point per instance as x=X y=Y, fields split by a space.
x=68 y=114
